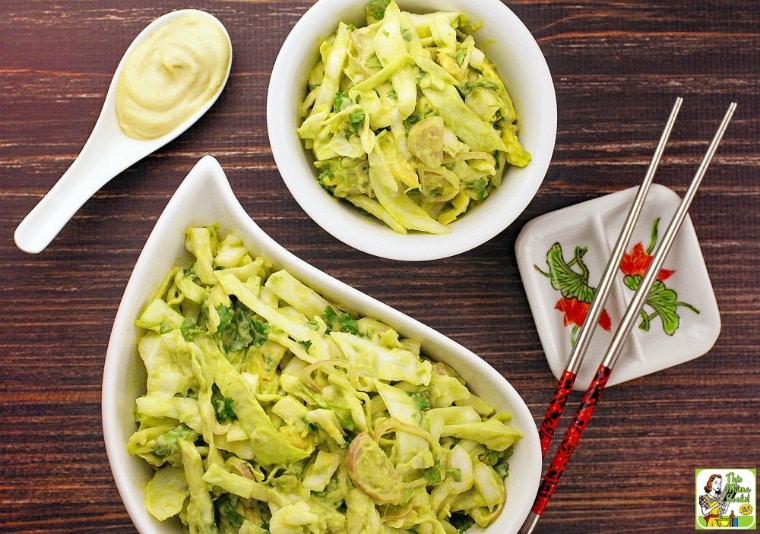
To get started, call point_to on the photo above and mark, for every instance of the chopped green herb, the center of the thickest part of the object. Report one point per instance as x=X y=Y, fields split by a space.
x=479 y=188
x=461 y=522
x=497 y=460
x=329 y=316
x=238 y=327
x=189 y=328
x=346 y=421
x=467 y=88
x=229 y=519
x=460 y=55
x=338 y=102
x=166 y=444
x=222 y=406
x=376 y=10
x=434 y=474
x=348 y=324
x=410 y=121
x=326 y=174
x=373 y=62
x=356 y=120
x=340 y=323
x=421 y=399
x=456 y=474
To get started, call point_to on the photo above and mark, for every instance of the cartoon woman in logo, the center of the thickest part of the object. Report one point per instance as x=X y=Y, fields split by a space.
x=713 y=503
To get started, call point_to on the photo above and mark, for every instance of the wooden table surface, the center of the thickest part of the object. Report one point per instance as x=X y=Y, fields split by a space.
x=617 y=68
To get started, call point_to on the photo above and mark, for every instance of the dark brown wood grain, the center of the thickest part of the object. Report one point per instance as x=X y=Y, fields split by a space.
x=617 y=67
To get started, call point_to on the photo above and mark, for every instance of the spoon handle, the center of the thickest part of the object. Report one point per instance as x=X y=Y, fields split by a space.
x=107 y=152
x=98 y=162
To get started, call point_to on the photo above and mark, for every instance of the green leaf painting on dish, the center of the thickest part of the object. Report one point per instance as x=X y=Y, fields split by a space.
x=570 y=282
x=664 y=303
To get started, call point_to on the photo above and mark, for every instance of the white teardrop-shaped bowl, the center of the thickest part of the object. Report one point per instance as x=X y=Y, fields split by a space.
x=205 y=197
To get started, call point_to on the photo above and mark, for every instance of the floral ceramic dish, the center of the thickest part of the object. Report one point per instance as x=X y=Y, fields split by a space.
x=680 y=320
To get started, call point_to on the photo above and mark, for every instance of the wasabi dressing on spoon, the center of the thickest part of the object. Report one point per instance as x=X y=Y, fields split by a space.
x=170 y=75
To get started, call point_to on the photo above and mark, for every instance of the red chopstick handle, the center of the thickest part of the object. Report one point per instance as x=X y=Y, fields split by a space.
x=570 y=441
x=555 y=408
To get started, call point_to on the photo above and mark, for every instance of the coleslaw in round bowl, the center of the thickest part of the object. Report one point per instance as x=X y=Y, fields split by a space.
x=414 y=134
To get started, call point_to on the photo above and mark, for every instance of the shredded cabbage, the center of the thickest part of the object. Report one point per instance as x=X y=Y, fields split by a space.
x=408 y=120
x=269 y=408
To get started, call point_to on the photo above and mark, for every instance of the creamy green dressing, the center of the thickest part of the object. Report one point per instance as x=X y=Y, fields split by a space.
x=171 y=75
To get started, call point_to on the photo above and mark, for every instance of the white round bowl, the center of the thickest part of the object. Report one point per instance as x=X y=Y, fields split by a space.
x=205 y=197
x=506 y=42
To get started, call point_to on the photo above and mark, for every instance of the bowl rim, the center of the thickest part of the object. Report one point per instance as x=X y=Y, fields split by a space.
x=206 y=182
x=363 y=233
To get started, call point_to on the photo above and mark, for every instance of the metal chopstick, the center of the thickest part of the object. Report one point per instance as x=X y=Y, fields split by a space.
x=567 y=378
x=592 y=395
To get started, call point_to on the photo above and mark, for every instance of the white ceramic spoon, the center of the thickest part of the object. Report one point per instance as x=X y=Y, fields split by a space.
x=107 y=152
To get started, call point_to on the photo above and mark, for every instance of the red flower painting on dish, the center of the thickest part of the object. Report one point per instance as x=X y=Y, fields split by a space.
x=575 y=311
x=636 y=263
